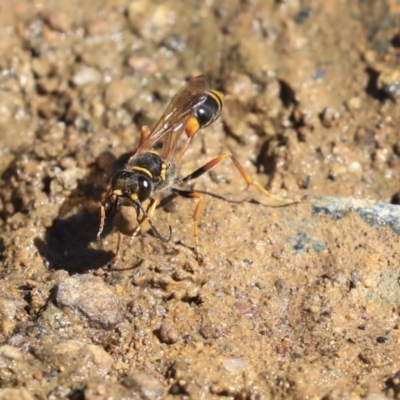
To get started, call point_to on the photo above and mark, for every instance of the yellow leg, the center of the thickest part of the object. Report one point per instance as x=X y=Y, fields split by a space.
x=143 y=134
x=194 y=195
x=249 y=180
x=149 y=214
x=102 y=221
x=183 y=149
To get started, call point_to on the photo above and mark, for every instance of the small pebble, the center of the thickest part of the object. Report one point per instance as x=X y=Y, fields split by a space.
x=85 y=75
x=168 y=334
x=80 y=356
x=355 y=168
x=40 y=67
x=235 y=365
x=354 y=103
x=143 y=385
x=15 y=394
x=92 y=298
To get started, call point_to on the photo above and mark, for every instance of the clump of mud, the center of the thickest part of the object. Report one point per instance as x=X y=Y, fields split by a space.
x=289 y=302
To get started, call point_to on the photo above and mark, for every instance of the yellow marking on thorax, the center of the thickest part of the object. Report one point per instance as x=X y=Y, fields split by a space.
x=144 y=170
x=117 y=192
x=163 y=173
x=153 y=152
x=133 y=197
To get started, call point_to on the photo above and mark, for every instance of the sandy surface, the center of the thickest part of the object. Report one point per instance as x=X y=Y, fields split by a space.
x=295 y=302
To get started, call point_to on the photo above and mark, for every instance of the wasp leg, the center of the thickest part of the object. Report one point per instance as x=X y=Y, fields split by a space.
x=184 y=148
x=189 y=194
x=149 y=212
x=120 y=238
x=146 y=217
x=143 y=135
x=152 y=207
x=249 y=180
x=192 y=127
x=105 y=208
x=102 y=221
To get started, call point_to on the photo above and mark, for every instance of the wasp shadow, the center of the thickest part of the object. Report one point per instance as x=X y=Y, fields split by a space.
x=68 y=241
x=372 y=88
x=67 y=244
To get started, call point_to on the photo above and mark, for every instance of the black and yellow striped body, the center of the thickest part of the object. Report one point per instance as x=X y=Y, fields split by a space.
x=148 y=172
x=207 y=113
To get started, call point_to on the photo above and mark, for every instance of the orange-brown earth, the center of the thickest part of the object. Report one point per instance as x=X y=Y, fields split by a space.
x=290 y=302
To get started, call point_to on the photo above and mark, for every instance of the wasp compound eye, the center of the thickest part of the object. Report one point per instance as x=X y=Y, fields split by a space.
x=144 y=188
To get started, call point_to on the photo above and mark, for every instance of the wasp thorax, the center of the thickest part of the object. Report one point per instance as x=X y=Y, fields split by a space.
x=131 y=182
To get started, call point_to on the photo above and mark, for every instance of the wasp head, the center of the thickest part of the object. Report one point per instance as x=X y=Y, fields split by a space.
x=130 y=188
x=127 y=188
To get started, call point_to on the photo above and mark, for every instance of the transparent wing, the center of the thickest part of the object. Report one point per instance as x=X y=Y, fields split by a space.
x=178 y=112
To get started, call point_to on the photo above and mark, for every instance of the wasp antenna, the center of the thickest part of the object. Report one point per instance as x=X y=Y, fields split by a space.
x=112 y=202
x=158 y=234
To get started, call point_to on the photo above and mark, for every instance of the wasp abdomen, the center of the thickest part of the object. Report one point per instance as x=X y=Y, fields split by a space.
x=210 y=110
x=207 y=113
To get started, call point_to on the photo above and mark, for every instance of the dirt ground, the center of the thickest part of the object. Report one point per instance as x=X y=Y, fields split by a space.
x=294 y=302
